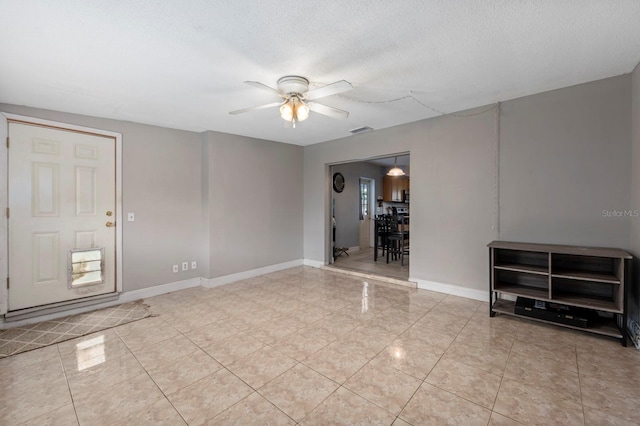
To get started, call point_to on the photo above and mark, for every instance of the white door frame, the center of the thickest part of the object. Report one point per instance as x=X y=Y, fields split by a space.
x=372 y=196
x=372 y=212
x=4 y=129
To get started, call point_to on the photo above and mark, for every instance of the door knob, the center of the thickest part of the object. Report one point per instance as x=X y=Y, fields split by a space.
x=110 y=224
x=109 y=213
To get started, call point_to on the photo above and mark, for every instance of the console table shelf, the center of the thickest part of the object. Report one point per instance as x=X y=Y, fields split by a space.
x=523 y=268
x=589 y=276
x=583 y=277
x=530 y=292
x=605 y=328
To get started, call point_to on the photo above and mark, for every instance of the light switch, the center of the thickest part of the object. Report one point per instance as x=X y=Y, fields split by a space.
x=131 y=217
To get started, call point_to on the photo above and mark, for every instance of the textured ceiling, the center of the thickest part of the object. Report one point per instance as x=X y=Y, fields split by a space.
x=181 y=64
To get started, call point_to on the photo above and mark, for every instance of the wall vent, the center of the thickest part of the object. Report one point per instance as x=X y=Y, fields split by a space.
x=359 y=130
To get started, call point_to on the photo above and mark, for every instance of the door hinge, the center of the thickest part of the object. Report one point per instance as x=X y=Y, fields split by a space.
x=8 y=285
x=7 y=141
x=7 y=212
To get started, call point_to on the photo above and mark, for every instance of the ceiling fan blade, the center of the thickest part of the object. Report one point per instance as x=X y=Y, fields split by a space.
x=328 y=90
x=259 y=85
x=240 y=111
x=328 y=111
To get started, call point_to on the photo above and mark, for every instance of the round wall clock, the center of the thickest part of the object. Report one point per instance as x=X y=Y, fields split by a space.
x=338 y=182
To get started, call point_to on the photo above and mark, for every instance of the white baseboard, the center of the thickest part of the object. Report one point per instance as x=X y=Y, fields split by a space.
x=227 y=279
x=144 y=293
x=129 y=296
x=313 y=263
x=157 y=290
x=455 y=290
x=231 y=278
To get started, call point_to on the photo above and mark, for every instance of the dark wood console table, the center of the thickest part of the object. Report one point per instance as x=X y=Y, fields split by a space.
x=584 y=277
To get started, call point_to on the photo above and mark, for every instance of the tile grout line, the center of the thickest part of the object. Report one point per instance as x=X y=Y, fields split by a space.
x=370 y=337
x=64 y=371
x=231 y=372
x=376 y=355
x=584 y=415
x=440 y=359
x=502 y=378
x=434 y=365
x=149 y=375
x=342 y=385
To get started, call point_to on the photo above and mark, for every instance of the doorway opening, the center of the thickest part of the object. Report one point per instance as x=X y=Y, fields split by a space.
x=368 y=199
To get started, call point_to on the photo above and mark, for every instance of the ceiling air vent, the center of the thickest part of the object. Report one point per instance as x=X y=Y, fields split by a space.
x=359 y=130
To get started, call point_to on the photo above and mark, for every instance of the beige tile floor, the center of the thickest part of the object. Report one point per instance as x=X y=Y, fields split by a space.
x=316 y=347
x=362 y=261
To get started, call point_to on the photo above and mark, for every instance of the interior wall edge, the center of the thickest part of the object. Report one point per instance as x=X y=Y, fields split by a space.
x=635 y=193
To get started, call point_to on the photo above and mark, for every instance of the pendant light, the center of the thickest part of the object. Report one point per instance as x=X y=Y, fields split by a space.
x=395 y=171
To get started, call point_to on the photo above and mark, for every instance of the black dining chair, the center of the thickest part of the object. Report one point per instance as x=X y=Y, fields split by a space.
x=398 y=238
x=383 y=227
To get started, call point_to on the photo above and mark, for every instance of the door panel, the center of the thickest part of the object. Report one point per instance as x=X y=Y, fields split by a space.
x=61 y=186
x=45 y=190
x=45 y=249
x=86 y=191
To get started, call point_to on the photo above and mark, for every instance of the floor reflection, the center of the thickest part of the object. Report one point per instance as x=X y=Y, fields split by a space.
x=90 y=353
x=365 y=297
x=398 y=352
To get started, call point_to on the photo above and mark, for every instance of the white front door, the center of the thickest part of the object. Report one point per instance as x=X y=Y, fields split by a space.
x=62 y=198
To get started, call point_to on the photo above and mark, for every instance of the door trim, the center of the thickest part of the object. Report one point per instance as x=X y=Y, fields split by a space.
x=5 y=119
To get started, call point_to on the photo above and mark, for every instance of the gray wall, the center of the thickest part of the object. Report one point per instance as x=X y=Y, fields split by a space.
x=452 y=193
x=255 y=203
x=348 y=201
x=234 y=203
x=161 y=174
x=229 y=202
x=564 y=159
x=635 y=190
x=452 y=162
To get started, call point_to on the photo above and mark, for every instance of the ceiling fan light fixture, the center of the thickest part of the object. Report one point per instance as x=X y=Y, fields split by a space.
x=286 y=111
x=302 y=111
x=294 y=91
x=294 y=109
x=395 y=171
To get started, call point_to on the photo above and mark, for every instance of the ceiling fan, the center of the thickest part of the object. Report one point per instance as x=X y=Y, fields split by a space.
x=298 y=100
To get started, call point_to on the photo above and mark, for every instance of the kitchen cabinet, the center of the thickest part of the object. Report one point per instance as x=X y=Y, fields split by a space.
x=394 y=187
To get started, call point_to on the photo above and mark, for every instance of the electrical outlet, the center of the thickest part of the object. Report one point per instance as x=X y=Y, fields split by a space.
x=194 y=264
x=185 y=266
x=175 y=268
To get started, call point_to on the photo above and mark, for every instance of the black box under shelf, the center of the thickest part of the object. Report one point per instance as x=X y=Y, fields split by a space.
x=555 y=312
